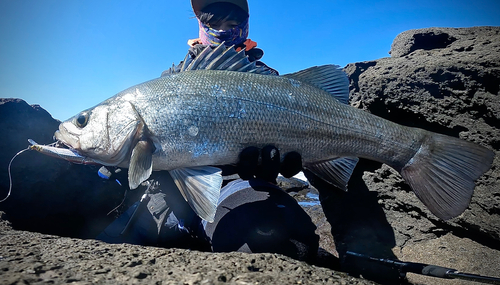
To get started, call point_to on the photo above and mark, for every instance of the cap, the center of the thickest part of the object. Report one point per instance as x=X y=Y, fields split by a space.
x=198 y=5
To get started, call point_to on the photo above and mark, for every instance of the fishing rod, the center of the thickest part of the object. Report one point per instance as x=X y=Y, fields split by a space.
x=427 y=269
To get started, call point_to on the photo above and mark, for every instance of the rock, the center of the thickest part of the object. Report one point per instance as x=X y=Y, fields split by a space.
x=443 y=80
x=453 y=252
x=49 y=195
x=446 y=90
x=28 y=257
x=457 y=39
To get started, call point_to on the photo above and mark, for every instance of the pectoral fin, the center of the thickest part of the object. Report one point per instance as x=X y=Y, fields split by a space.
x=336 y=172
x=141 y=163
x=200 y=186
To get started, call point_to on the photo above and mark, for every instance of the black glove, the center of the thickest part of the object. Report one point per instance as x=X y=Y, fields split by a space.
x=291 y=164
x=254 y=54
x=195 y=50
x=266 y=163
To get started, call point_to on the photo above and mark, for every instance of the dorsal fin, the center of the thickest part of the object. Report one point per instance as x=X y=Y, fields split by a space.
x=218 y=58
x=327 y=77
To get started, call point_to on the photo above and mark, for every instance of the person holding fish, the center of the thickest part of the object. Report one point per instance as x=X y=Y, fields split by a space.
x=180 y=129
x=253 y=214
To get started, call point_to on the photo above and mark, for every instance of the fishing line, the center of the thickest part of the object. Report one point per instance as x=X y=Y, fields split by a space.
x=10 y=176
x=104 y=173
x=124 y=196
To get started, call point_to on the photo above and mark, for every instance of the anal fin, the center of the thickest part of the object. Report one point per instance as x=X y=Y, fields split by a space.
x=336 y=172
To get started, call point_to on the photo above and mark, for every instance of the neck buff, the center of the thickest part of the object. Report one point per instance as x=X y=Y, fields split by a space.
x=234 y=36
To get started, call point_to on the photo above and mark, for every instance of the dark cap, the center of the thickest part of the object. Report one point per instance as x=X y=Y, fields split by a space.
x=198 y=5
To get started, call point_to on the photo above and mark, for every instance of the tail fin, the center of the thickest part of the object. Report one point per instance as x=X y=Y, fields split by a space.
x=443 y=171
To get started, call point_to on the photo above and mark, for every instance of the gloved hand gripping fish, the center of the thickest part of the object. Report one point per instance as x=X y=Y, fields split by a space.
x=203 y=114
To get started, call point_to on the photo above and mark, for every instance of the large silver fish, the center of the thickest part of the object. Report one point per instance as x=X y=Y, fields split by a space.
x=217 y=104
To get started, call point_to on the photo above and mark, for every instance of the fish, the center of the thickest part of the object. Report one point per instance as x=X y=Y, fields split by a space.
x=203 y=113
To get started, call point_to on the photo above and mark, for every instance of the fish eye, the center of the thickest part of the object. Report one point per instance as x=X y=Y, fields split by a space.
x=82 y=119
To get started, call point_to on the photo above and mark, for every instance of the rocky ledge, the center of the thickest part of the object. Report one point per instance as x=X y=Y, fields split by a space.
x=444 y=80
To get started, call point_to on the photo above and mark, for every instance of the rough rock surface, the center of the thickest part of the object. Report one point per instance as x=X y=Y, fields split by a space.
x=441 y=79
x=444 y=80
x=34 y=258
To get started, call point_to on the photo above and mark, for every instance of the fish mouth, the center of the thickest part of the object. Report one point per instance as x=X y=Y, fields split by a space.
x=62 y=141
x=61 y=144
x=66 y=138
x=67 y=141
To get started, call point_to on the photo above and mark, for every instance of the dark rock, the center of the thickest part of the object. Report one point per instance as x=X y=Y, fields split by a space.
x=450 y=85
x=49 y=195
x=27 y=257
x=457 y=39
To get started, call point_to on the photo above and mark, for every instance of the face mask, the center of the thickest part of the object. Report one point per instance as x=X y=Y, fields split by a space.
x=234 y=36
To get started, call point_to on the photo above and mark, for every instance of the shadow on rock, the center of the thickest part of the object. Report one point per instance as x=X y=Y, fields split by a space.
x=359 y=224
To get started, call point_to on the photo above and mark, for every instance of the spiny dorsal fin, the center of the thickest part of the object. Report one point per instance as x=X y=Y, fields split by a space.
x=219 y=58
x=214 y=54
x=327 y=77
x=200 y=59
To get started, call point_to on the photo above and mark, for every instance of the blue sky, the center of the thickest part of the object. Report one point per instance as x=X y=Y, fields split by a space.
x=69 y=55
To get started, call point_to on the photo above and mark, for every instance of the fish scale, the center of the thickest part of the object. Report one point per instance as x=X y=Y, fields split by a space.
x=189 y=120
x=229 y=120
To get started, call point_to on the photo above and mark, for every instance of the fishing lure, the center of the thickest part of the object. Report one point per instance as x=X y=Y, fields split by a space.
x=64 y=153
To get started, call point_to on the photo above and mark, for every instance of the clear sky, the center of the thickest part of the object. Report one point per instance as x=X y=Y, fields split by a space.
x=69 y=55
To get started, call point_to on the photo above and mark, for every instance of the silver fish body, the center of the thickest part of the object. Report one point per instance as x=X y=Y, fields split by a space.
x=197 y=118
x=208 y=117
